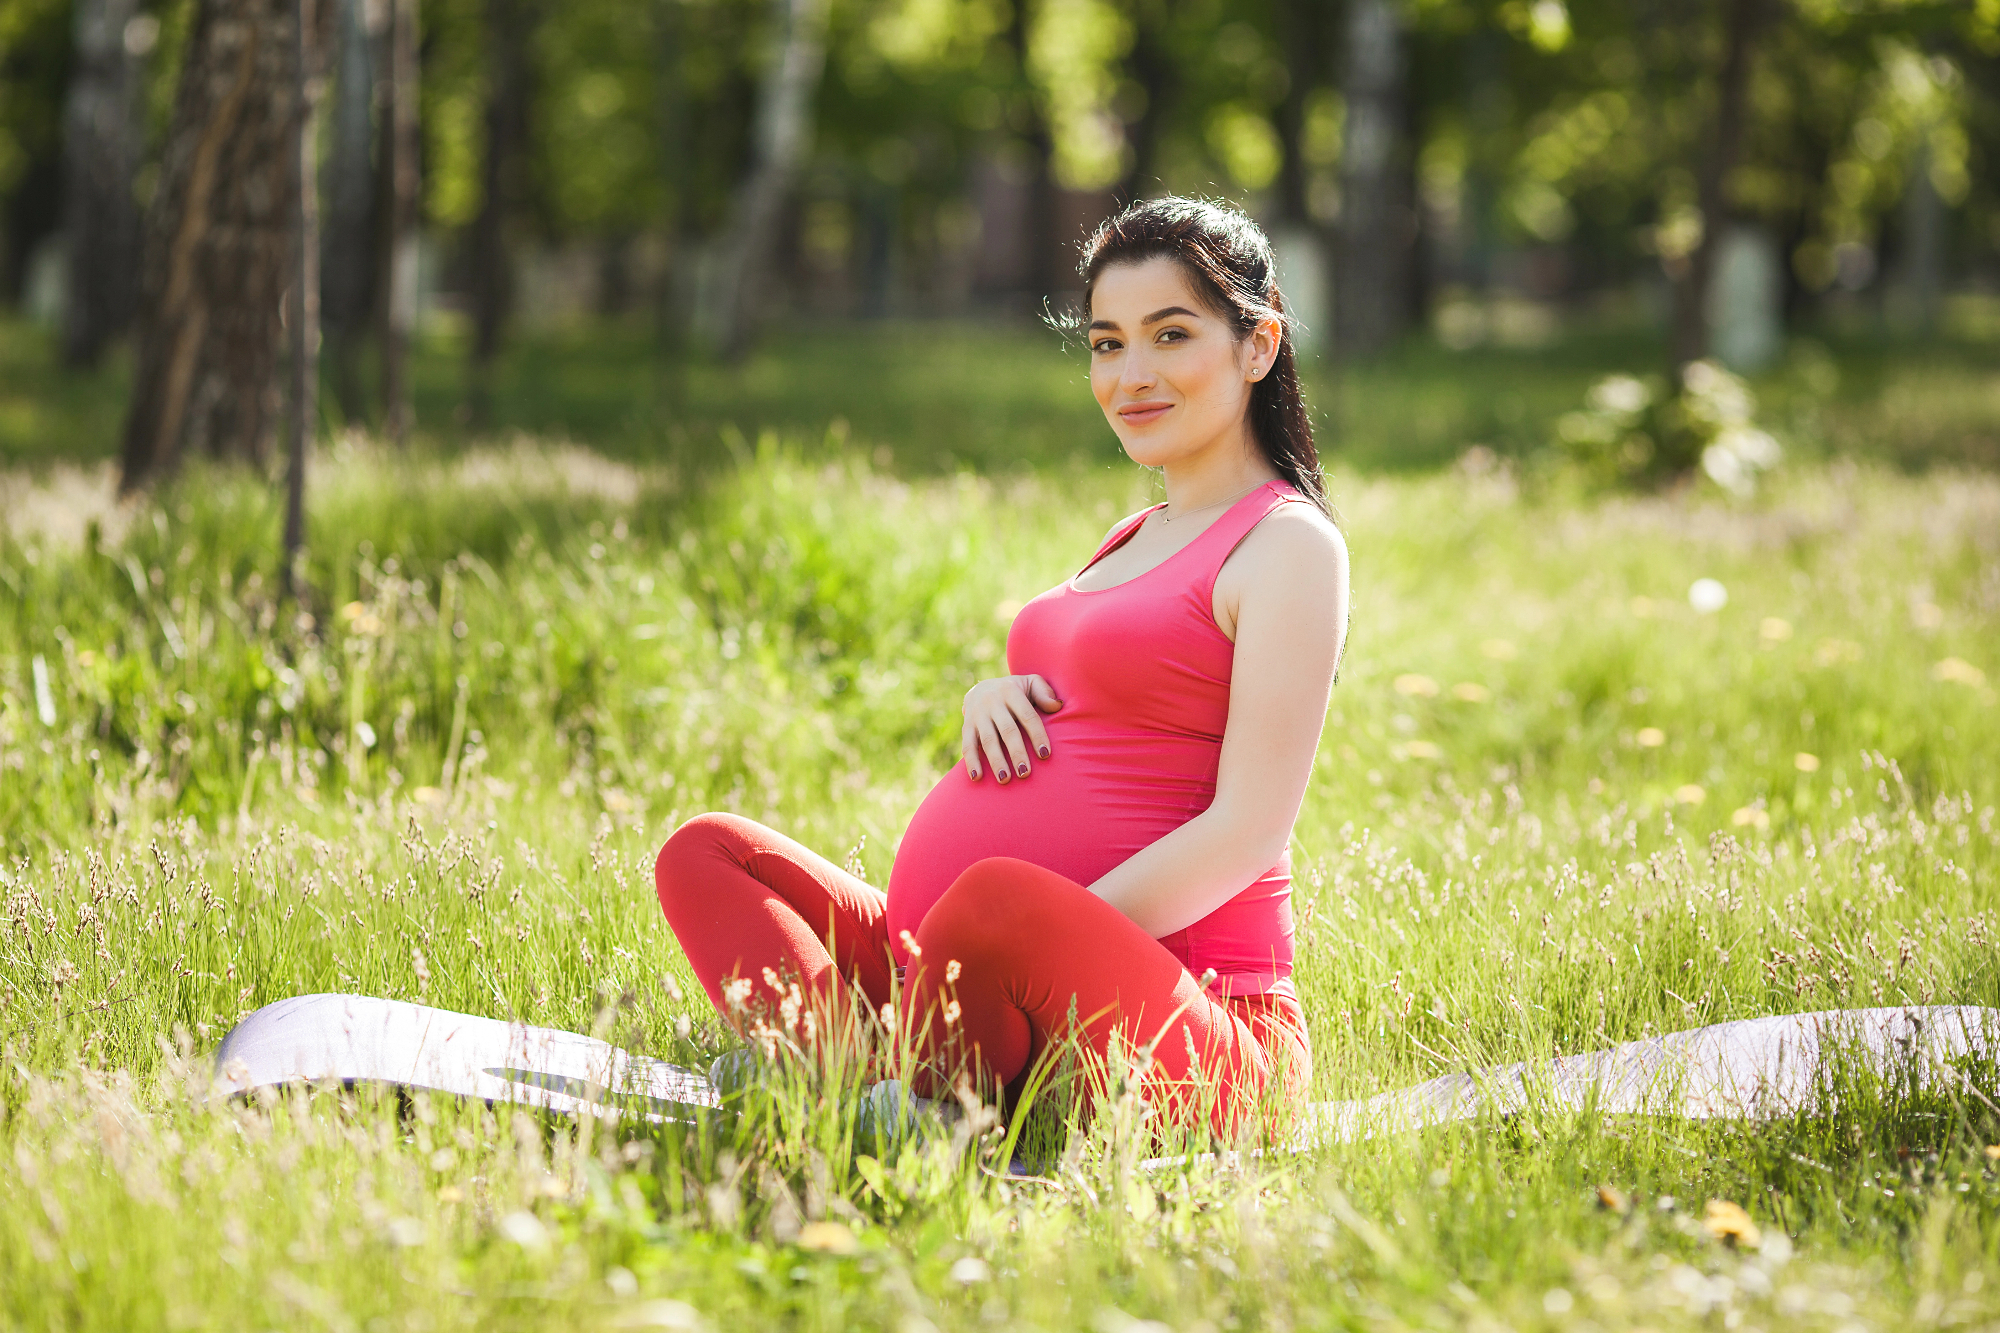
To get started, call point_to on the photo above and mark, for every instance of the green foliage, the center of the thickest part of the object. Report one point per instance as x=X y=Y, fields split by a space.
x=1630 y=431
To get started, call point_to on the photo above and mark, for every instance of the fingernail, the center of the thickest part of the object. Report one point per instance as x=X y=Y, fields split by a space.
x=1022 y=770
x=1043 y=752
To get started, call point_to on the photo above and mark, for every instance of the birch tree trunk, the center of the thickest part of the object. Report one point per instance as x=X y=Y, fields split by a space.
x=399 y=158
x=1741 y=20
x=1377 y=241
x=219 y=243
x=303 y=298
x=347 y=252
x=101 y=144
x=782 y=136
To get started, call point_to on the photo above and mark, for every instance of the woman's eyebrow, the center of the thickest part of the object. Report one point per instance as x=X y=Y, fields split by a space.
x=1164 y=312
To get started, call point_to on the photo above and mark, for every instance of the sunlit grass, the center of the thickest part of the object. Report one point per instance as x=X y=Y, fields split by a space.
x=1555 y=807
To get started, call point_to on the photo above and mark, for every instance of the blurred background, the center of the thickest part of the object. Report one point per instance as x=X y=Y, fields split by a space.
x=639 y=223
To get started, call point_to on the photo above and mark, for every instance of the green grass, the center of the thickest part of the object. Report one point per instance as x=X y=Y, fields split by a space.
x=1006 y=397
x=1503 y=856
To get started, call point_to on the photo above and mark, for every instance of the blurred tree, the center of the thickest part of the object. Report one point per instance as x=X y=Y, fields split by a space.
x=220 y=240
x=1028 y=118
x=35 y=52
x=1741 y=23
x=103 y=134
x=1154 y=67
x=302 y=300
x=783 y=138
x=509 y=32
x=1302 y=37
x=348 y=282
x=396 y=301
x=1372 y=267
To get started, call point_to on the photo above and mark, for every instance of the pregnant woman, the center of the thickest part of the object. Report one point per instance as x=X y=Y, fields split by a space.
x=1113 y=847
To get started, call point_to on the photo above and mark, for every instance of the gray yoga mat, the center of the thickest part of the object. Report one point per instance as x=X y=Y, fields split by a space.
x=1750 y=1068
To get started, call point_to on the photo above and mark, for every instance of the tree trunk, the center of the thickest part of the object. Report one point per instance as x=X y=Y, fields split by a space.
x=507 y=35
x=1299 y=31
x=347 y=253
x=1151 y=65
x=1371 y=278
x=1741 y=19
x=677 y=157
x=782 y=136
x=219 y=243
x=101 y=144
x=1922 y=277
x=1039 y=234
x=397 y=304
x=303 y=298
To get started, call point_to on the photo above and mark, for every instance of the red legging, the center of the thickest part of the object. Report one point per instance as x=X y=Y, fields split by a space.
x=743 y=900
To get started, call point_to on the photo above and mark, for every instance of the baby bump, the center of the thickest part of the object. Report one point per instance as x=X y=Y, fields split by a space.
x=1057 y=818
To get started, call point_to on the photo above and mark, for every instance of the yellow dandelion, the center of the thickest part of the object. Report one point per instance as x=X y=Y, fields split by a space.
x=1690 y=793
x=1470 y=692
x=1774 y=630
x=1007 y=608
x=1834 y=652
x=1651 y=738
x=827 y=1238
x=1416 y=686
x=1958 y=671
x=1728 y=1222
x=1500 y=650
x=1749 y=816
x=1422 y=750
x=1927 y=615
x=1805 y=763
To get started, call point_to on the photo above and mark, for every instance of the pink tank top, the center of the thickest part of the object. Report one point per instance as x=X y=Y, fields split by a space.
x=1143 y=672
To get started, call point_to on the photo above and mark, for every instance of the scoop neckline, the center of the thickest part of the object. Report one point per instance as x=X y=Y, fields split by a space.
x=1070 y=584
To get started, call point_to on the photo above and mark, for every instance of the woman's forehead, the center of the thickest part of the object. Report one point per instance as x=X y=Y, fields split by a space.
x=1133 y=290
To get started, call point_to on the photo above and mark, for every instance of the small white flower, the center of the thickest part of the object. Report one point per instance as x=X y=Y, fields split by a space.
x=1707 y=596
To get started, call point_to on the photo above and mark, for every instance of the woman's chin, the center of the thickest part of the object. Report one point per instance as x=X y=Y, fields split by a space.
x=1148 y=451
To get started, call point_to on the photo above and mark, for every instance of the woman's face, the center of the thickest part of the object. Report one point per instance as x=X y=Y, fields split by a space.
x=1172 y=376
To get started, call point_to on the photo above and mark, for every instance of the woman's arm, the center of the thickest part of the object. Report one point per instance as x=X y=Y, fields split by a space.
x=1287 y=587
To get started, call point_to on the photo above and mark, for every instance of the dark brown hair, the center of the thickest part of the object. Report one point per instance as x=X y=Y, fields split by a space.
x=1228 y=260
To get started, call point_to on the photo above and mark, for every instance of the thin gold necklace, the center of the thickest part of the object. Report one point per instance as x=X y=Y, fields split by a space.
x=1165 y=517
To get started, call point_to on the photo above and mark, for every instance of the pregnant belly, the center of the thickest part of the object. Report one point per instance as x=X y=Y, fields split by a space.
x=1079 y=815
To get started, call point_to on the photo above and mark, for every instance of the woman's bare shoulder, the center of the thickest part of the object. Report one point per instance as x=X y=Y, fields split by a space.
x=1299 y=539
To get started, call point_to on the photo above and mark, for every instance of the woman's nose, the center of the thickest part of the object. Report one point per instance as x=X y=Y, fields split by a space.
x=1137 y=374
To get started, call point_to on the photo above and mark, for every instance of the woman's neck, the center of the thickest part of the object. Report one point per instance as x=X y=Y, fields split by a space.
x=1219 y=472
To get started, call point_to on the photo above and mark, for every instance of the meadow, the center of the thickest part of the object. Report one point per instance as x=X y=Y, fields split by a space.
x=1556 y=807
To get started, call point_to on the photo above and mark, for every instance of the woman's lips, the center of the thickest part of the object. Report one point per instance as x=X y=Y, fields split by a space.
x=1143 y=414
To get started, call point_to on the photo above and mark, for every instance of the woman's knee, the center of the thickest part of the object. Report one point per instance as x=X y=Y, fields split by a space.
x=690 y=851
x=998 y=903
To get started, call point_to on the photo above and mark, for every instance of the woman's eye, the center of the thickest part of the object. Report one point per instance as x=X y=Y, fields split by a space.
x=1172 y=335
x=1104 y=345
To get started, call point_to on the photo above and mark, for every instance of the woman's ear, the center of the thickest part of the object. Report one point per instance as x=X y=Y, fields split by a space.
x=1263 y=344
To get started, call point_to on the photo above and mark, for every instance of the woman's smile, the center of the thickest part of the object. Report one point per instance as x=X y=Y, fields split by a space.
x=1143 y=413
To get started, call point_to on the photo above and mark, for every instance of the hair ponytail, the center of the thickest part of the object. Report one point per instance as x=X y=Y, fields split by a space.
x=1229 y=259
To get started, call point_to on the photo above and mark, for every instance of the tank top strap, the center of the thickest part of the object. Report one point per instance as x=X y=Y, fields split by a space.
x=1121 y=534
x=1224 y=535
